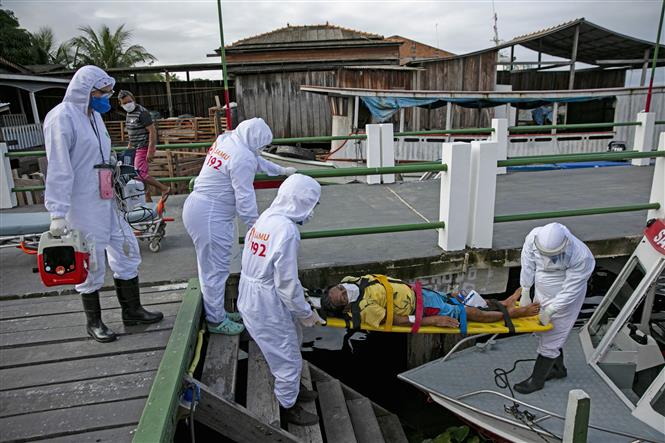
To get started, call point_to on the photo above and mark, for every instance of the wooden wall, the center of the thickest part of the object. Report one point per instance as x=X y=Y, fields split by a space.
x=558 y=80
x=472 y=73
x=276 y=97
x=191 y=98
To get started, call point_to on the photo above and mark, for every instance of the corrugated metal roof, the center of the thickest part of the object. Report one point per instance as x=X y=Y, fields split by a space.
x=595 y=43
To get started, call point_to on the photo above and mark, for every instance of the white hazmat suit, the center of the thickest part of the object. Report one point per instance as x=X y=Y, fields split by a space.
x=75 y=143
x=223 y=188
x=560 y=280
x=271 y=298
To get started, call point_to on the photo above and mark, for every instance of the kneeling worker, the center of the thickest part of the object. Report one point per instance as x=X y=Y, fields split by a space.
x=271 y=298
x=559 y=265
x=369 y=295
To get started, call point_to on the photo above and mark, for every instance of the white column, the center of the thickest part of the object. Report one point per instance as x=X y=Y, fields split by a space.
x=482 y=193
x=356 y=110
x=373 y=151
x=33 y=105
x=644 y=136
x=500 y=137
x=387 y=150
x=7 y=197
x=578 y=411
x=454 y=197
x=658 y=185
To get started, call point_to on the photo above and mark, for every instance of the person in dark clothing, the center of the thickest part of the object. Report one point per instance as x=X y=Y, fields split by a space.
x=143 y=139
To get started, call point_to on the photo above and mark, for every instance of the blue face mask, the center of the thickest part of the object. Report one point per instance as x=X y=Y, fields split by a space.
x=100 y=104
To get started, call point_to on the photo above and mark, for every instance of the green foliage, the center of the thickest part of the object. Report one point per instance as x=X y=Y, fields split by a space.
x=15 y=42
x=46 y=52
x=108 y=49
x=455 y=434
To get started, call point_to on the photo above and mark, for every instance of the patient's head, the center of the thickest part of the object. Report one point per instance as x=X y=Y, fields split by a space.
x=335 y=300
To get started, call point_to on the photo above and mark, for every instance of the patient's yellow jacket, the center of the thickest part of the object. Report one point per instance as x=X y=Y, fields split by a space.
x=373 y=304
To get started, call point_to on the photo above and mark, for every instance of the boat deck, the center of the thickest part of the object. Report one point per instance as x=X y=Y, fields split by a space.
x=472 y=370
x=58 y=384
x=417 y=253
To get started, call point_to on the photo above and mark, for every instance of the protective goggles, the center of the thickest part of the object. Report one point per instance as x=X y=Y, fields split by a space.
x=104 y=94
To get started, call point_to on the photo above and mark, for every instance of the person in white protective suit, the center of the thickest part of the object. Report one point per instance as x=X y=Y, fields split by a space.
x=559 y=265
x=271 y=298
x=78 y=149
x=223 y=188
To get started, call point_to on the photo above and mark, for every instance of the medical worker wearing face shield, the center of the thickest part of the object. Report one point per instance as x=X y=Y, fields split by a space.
x=223 y=189
x=79 y=196
x=271 y=298
x=559 y=265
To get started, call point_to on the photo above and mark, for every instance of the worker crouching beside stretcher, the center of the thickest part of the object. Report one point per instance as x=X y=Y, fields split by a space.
x=363 y=299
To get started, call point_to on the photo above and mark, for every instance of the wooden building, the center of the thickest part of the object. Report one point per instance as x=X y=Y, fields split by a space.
x=411 y=50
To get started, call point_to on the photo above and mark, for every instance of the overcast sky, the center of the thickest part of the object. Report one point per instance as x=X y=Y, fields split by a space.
x=185 y=31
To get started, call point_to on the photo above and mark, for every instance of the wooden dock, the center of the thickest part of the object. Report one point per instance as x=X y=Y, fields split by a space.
x=59 y=385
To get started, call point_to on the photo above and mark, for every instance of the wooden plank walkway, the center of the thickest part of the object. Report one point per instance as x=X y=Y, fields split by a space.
x=56 y=383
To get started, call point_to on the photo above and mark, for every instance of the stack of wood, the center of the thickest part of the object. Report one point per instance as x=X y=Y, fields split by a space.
x=177 y=163
x=175 y=130
x=28 y=198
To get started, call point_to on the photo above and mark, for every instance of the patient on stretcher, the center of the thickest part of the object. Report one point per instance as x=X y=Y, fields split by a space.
x=367 y=295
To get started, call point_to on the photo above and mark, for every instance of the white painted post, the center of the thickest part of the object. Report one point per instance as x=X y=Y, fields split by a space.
x=658 y=184
x=7 y=197
x=33 y=105
x=387 y=150
x=454 y=197
x=483 y=193
x=578 y=411
x=644 y=136
x=373 y=152
x=500 y=136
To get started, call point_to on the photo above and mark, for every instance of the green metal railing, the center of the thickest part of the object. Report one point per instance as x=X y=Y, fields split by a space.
x=575 y=158
x=574 y=212
x=571 y=126
x=314 y=173
x=660 y=122
x=346 y=232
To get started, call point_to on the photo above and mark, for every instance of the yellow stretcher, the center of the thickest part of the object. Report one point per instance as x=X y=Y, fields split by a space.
x=523 y=324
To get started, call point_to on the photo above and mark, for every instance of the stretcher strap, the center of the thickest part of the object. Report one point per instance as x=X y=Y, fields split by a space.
x=389 y=300
x=496 y=305
x=462 y=315
x=418 y=289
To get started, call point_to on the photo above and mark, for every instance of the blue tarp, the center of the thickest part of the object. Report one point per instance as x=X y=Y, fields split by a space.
x=382 y=108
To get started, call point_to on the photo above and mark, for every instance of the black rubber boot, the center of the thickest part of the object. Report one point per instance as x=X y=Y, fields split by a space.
x=130 y=302
x=93 y=313
x=558 y=369
x=298 y=416
x=541 y=370
x=307 y=395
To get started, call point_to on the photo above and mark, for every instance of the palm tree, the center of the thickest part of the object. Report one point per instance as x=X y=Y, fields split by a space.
x=43 y=43
x=108 y=50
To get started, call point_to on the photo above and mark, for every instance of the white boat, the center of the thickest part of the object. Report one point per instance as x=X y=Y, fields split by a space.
x=616 y=358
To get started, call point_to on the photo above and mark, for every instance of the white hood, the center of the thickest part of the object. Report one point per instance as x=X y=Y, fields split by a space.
x=296 y=197
x=80 y=87
x=254 y=134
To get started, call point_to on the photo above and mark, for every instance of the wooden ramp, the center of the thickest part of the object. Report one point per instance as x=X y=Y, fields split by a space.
x=345 y=415
x=56 y=383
